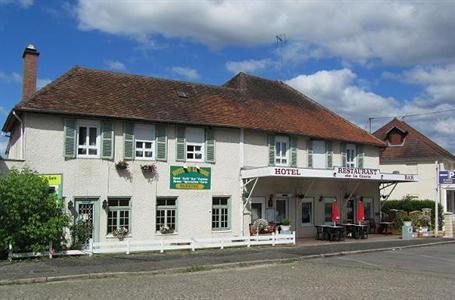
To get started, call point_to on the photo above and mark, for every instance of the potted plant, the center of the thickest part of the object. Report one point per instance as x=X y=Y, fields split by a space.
x=151 y=169
x=260 y=225
x=285 y=225
x=121 y=165
x=407 y=221
x=120 y=233
x=166 y=230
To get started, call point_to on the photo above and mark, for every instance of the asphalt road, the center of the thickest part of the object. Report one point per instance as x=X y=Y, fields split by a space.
x=418 y=273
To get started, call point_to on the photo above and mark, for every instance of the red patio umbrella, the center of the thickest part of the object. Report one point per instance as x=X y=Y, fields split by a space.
x=335 y=212
x=360 y=211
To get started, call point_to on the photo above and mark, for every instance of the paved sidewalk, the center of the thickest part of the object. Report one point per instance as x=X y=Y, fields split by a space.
x=149 y=262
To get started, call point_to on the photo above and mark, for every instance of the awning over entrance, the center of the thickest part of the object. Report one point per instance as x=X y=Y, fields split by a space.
x=335 y=173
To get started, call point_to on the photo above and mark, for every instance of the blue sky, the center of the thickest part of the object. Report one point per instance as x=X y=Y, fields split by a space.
x=361 y=59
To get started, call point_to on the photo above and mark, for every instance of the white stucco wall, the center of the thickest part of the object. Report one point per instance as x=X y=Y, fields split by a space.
x=99 y=179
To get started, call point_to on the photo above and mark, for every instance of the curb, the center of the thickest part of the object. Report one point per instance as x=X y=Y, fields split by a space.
x=200 y=268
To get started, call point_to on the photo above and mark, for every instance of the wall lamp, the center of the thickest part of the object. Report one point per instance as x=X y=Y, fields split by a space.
x=105 y=205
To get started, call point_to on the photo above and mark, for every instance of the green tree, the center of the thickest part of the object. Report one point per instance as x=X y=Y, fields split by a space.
x=30 y=216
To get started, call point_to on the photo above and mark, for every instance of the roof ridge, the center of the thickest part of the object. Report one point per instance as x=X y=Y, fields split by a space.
x=148 y=77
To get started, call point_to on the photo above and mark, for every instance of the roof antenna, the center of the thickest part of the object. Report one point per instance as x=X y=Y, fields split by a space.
x=280 y=43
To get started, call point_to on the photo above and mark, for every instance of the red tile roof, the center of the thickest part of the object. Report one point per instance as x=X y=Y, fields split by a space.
x=243 y=102
x=416 y=145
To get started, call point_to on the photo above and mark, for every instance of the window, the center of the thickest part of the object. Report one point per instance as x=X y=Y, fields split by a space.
x=328 y=209
x=166 y=211
x=88 y=139
x=368 y=208
x=307 y=212
x=319 y=154
x=118 y=214
x=351 y=156
x=220 y=213
x=145 y=141
x=195 y=140
x=281 y=150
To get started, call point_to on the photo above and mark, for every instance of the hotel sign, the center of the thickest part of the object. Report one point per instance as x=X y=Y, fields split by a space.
x=447 y=177
x=190 y=178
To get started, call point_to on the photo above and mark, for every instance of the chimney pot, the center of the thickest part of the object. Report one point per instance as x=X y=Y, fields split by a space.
x=30 y=57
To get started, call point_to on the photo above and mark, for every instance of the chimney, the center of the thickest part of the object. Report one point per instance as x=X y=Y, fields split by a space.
x=30 y=57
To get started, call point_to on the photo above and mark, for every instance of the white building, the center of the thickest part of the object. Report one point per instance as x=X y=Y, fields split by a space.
x=216 y=157
x=410 y=151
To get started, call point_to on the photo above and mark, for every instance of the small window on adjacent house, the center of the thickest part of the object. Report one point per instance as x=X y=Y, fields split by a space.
x=145 y=141
x=118 y=215
x=351 y=156
x=195 y=140
x=88 y=139
x=166 y=213
x=281 y=150
x=220 y=213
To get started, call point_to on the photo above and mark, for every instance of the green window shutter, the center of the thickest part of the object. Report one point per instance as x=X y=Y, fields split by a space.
x=70 y=126
x=180 y=144
x=329 y=151
x=107 y=140
x=128 y=141
x=293 y=142
x=343 y=154
x=209 y=145
x=310 y=153
x=271 y=142
x=360 y=156
x=161 y=143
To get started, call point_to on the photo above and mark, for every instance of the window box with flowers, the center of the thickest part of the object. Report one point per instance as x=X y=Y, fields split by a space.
x=149 y=169
x=121 y=165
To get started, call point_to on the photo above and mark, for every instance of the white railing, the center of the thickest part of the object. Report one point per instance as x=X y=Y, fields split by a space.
x=161 y=245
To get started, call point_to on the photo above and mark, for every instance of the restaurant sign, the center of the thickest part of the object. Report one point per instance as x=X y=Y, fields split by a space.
x=190 y=178
x=447 y=177
x=359 y=173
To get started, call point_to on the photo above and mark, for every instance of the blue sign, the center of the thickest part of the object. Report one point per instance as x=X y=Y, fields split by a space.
x=447 y=177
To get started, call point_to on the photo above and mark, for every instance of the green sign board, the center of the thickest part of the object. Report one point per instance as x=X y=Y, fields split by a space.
x=55 y=184
x=190 y=178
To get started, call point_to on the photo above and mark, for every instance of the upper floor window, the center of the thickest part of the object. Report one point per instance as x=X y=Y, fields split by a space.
x=351 y=156
x=281 y=150
x=144 y=136
x=88 y=139
x=195 y=141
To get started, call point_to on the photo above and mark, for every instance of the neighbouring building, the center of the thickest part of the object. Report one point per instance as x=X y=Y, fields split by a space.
x=146 y=153
x=410 y=151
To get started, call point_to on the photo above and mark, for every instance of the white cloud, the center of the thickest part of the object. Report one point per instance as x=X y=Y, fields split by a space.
x=392 y=31
x=115 y=65
x=42 y=82
x=3 y=111
x=339 y=91
x=249 y=66
x=21 y=3
x=188 y=73
x=10 y=77
x=342 y=91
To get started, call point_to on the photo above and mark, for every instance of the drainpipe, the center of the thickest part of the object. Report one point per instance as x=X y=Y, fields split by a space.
x=22 y=134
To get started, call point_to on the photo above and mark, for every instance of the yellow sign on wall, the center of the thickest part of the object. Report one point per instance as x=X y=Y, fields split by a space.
x=56 y=184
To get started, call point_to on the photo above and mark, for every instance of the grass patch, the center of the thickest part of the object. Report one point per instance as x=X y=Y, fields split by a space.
x=193 y=269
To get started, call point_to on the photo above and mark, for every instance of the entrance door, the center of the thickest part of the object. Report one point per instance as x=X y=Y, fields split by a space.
x=281 y=210
x=86 y=210
x=257 y=208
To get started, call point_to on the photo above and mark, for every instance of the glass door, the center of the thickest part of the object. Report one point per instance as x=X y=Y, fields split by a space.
x=281 y=210
x=86 y=210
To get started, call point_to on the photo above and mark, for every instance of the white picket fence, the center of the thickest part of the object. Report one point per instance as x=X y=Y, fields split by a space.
x=164 y=244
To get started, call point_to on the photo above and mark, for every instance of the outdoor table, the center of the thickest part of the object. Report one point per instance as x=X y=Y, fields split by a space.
x=356 y=231
x=330 y=232
x=385 y=227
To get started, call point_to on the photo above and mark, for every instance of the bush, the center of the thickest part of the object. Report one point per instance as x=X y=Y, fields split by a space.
x=409 y=204
x=80 y=233
x=30 y=217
